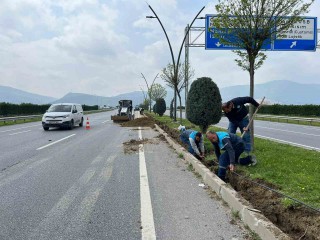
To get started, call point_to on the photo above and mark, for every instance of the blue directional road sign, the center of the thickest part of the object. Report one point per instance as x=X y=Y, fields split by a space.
x=302 y=36
x=214 y=43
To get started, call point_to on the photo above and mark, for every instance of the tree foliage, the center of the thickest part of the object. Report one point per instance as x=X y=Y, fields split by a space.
x=204 y=103
x=157 y=91
x=161 y=106
x=171 y=108
x=176 y=82
x=253 y=24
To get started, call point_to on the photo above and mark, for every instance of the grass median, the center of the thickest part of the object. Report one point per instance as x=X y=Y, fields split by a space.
x=292 y=170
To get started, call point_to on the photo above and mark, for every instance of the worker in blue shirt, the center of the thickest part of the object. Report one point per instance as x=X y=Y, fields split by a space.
x=233 y=146
x=237 y=113
x=194 y=140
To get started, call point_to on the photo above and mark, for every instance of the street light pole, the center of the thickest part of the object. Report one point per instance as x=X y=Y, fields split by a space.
x=175 y=66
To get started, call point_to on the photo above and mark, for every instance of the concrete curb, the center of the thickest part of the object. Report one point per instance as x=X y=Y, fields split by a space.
x=254 y=220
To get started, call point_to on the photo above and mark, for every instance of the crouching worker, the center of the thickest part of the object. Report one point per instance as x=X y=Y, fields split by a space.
x=233 y=146
x=194 y=140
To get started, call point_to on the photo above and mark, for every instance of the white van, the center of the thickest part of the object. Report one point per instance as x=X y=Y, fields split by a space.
x=63 y=115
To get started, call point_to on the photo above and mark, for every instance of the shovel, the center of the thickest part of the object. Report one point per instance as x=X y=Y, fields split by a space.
x=252 y=117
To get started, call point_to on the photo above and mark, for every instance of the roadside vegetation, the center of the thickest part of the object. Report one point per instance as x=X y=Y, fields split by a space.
x=283 y=186
x=292 y=170
x=291 y=119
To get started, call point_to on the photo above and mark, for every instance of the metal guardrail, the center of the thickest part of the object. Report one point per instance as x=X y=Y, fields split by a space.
x=288 y=118
x=24 y=118
x=14 y=119
x=263 y=116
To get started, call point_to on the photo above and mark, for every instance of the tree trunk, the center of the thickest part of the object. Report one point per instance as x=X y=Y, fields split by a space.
x=180 y=108
x=251 y=109
x=175 y=105
x=150 y=104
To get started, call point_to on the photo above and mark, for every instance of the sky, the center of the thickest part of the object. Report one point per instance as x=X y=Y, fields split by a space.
x=101 y=47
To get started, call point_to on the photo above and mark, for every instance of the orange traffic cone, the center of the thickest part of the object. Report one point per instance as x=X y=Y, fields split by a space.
x=88 y=124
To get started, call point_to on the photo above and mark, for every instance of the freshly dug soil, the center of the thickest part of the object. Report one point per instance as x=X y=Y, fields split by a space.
x=139 y=122
x=300 y=223
x=297 y=222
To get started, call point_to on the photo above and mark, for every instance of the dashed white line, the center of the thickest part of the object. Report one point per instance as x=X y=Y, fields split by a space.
x=19 y=132
x=290 y=143
x=15 y=129
x=40 y=148
x=147 y=222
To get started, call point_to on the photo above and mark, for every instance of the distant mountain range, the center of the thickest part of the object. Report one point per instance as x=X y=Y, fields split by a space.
x=280 y=91
x=13 y=95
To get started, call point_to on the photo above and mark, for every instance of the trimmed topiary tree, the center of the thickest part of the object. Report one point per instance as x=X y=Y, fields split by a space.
x=204 y=103
x=171 y=108
x=161 y=106
x=154 y=108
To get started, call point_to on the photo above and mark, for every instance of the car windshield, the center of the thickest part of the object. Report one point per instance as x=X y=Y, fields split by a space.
x=60 y=108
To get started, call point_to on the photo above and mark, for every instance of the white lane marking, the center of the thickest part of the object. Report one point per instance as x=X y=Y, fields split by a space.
x=106 y=121
x=19 y=170
x=15 y=129
x=147 y=223
x=282 y=141
x=83 y=214
x=53 y=219
x=52 y=222
x=277 y=129
x=40 y=148
x=287 y=142
x=19 y=132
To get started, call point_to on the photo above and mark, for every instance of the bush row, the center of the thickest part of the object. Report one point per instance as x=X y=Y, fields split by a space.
x=10 y=109
x=291 y=110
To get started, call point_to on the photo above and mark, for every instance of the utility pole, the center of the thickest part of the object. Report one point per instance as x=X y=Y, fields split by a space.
x=186 y=66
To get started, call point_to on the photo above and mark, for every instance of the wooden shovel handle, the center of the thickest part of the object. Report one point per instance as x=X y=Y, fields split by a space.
x=253 y=116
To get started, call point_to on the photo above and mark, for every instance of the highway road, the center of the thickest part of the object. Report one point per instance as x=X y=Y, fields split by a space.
x=85 y=184
x=293 y=134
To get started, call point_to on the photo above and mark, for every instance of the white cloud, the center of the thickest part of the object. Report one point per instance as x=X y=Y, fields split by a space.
x=52 y=47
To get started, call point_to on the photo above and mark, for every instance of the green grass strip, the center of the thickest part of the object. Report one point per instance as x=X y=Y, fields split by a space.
x=295 y=171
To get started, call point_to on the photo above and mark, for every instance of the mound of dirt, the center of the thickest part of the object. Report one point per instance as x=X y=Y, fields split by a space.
x=132 y=146
x=139 y=122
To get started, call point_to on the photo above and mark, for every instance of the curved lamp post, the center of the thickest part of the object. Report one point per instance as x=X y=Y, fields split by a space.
x=175 y=65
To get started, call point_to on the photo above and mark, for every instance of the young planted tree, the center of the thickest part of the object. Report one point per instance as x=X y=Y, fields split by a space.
x=204 y=103
x=149 y=89
x=252 y=24
x=177 y=83
x=157 y=91
x=161 y=106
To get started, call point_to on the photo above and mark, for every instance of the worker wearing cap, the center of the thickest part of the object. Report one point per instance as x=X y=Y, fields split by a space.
x=233 y=146
x=194 y=140
x=237 y=113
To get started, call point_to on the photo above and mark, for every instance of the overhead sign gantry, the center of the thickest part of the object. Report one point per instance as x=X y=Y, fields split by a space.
x=302 y=36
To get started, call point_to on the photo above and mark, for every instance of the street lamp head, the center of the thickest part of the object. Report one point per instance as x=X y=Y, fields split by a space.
x=151 y=17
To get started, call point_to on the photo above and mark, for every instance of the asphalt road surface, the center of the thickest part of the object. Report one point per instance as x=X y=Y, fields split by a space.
x=86 y=184
x=293 y=134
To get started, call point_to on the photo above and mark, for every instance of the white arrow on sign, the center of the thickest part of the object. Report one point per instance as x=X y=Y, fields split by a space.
x=218 y=44
x=293 y=44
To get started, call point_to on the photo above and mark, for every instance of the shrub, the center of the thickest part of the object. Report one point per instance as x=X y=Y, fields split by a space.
x=171 y=108
x=204 y=103
x=154 y=108
x=161 y=106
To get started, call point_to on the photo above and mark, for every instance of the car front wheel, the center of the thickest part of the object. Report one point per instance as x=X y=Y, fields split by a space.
x=71 y=124
x=81 y=123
